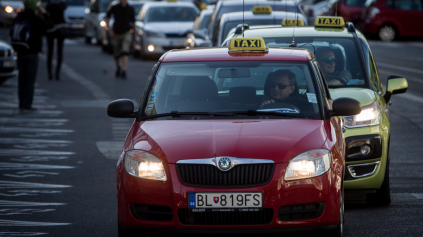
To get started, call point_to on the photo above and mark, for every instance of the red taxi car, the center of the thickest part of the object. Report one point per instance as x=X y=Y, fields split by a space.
x=242 y=139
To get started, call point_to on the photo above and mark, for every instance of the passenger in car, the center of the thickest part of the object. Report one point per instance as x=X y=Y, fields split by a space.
x=328 y=63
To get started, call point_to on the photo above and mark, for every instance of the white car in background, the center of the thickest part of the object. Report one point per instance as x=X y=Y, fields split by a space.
x=75 y=17
x=8 y=66
x=163 y=26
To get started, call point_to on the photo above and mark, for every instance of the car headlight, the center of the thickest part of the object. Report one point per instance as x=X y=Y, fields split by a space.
x=142 y=164
x=103 y=24
x=369 y=116
x=153 y=34
x=308 y=164
x=9 y=9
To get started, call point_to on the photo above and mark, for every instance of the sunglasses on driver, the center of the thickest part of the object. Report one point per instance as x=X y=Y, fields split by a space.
x=280 y=85
x=328 y=60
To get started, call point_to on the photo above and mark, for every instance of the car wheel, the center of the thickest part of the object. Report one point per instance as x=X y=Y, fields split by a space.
x=382 y=197
x=387 y=33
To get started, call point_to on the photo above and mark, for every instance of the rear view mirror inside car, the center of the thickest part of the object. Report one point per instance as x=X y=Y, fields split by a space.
x=234 y=73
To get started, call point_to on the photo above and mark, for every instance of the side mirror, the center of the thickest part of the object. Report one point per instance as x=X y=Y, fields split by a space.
x=345 y=106
x=122 y=108
x=395 y=85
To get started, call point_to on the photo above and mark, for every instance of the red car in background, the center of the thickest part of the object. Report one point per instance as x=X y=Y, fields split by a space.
x=209 y=153
x=350 y=10
x=390 y=19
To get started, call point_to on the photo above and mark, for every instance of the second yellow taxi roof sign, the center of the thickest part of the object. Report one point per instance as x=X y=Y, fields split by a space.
x=329 y=21
x=262 y=9
x=247 y=45
x=292 y=22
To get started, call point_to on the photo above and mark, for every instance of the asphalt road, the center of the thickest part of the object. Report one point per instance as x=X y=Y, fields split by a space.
x=57 y=167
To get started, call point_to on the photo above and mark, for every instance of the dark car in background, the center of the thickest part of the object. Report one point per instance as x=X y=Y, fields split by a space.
x=389 y=19
x=8 y=11
x=350 y=10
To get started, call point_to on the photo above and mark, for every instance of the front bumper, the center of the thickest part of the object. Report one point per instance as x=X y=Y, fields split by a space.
x=171 y=198
x=8 y=67
x=162 y=45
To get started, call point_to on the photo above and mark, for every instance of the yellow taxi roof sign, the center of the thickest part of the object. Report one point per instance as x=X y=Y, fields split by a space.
x=292 y=22
x=172 y=0
x=262 y=9
x=247 y=45
x=329 y=21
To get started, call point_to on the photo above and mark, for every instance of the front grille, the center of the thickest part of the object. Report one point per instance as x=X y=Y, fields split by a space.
x=151 y=212
x=225 y=218
x=176 y=35
x=76 y=18
x=167 y=48
x=301 y=211
x=240 y=176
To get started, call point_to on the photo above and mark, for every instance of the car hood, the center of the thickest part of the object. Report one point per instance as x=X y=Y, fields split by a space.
x=169 y=27
x=277 y=140
x=75 y=11
x=364 y=96
x=14 y=4
x=4 y=46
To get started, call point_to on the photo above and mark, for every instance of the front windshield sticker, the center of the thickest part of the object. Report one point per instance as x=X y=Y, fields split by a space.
x=312 y=98
x=282 y=110
x=153 y=95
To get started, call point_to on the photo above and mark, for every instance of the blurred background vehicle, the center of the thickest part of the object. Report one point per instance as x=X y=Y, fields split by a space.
x=247 y=5
x=8 y=66
x=75 y=17
x=163 y=26
x=8 y=11
x=94 y=14
x=389 y=19
x=104 y=32
x=231 y=20
x=350 y=10
x=198 y=34
x=314 y=8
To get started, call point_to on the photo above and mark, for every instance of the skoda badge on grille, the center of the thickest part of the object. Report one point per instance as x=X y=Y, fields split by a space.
x=224 y=164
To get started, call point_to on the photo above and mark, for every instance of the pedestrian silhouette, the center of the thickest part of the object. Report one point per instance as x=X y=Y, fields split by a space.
x=55 y=9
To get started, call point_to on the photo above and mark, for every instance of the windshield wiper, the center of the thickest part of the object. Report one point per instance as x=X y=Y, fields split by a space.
x=255 y=112
x=176 y=114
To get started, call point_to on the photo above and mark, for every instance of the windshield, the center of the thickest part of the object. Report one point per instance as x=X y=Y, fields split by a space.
x=338 y=58
x=282 y=89
x=166 y=14
x=249 y=8
x=77 y=2
x=233 y=24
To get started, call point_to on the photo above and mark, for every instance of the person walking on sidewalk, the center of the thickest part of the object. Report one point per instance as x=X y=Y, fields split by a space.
x=120 y=33
x=56 y=9
x=26 y=35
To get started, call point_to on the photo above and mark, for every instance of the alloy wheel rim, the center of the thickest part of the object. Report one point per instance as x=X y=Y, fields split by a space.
x=387 y=33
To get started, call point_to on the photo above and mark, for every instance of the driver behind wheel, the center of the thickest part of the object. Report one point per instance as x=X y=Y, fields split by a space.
x=327 y=61
x=279 y=86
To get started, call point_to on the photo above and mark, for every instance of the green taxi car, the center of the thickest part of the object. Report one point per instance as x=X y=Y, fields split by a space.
x=344 y=50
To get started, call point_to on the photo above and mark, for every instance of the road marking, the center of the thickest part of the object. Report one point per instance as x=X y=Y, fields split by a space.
x=4 y=203
x=30 y=174
x=15 y=105
x=20 y=152
x=7 y=140
x=39 y=112
x=86 y=103
x=17 y=193
x=21 y=233
x=15 y=185
x=417 y=196
x=24 y=166
x=29 y=223
x=110 y=149
x=406 y=197
x=15 y=211
x=405 y=69
x=408 y=77
x=412 y=97
x=31 y=130
x=39 y=158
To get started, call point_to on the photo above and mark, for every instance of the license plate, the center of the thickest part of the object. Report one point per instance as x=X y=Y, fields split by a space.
x=9 y=63
x=202 y=202
x=76 y=26
x=176 y=43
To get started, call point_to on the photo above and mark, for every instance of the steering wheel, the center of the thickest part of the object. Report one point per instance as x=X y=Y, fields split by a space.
x=280 y=105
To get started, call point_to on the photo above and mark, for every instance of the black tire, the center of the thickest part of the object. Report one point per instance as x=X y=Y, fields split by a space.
x=87 y=40
x=382 y=197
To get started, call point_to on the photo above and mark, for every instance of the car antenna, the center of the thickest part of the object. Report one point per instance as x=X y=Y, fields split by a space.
x=336 y=9
x=242 y=27
x=293 y=33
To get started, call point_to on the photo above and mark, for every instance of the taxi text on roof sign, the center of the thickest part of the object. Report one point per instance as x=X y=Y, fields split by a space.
x=329 y=21
x=262 y=9
x=292 y=22
x=247 y=44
